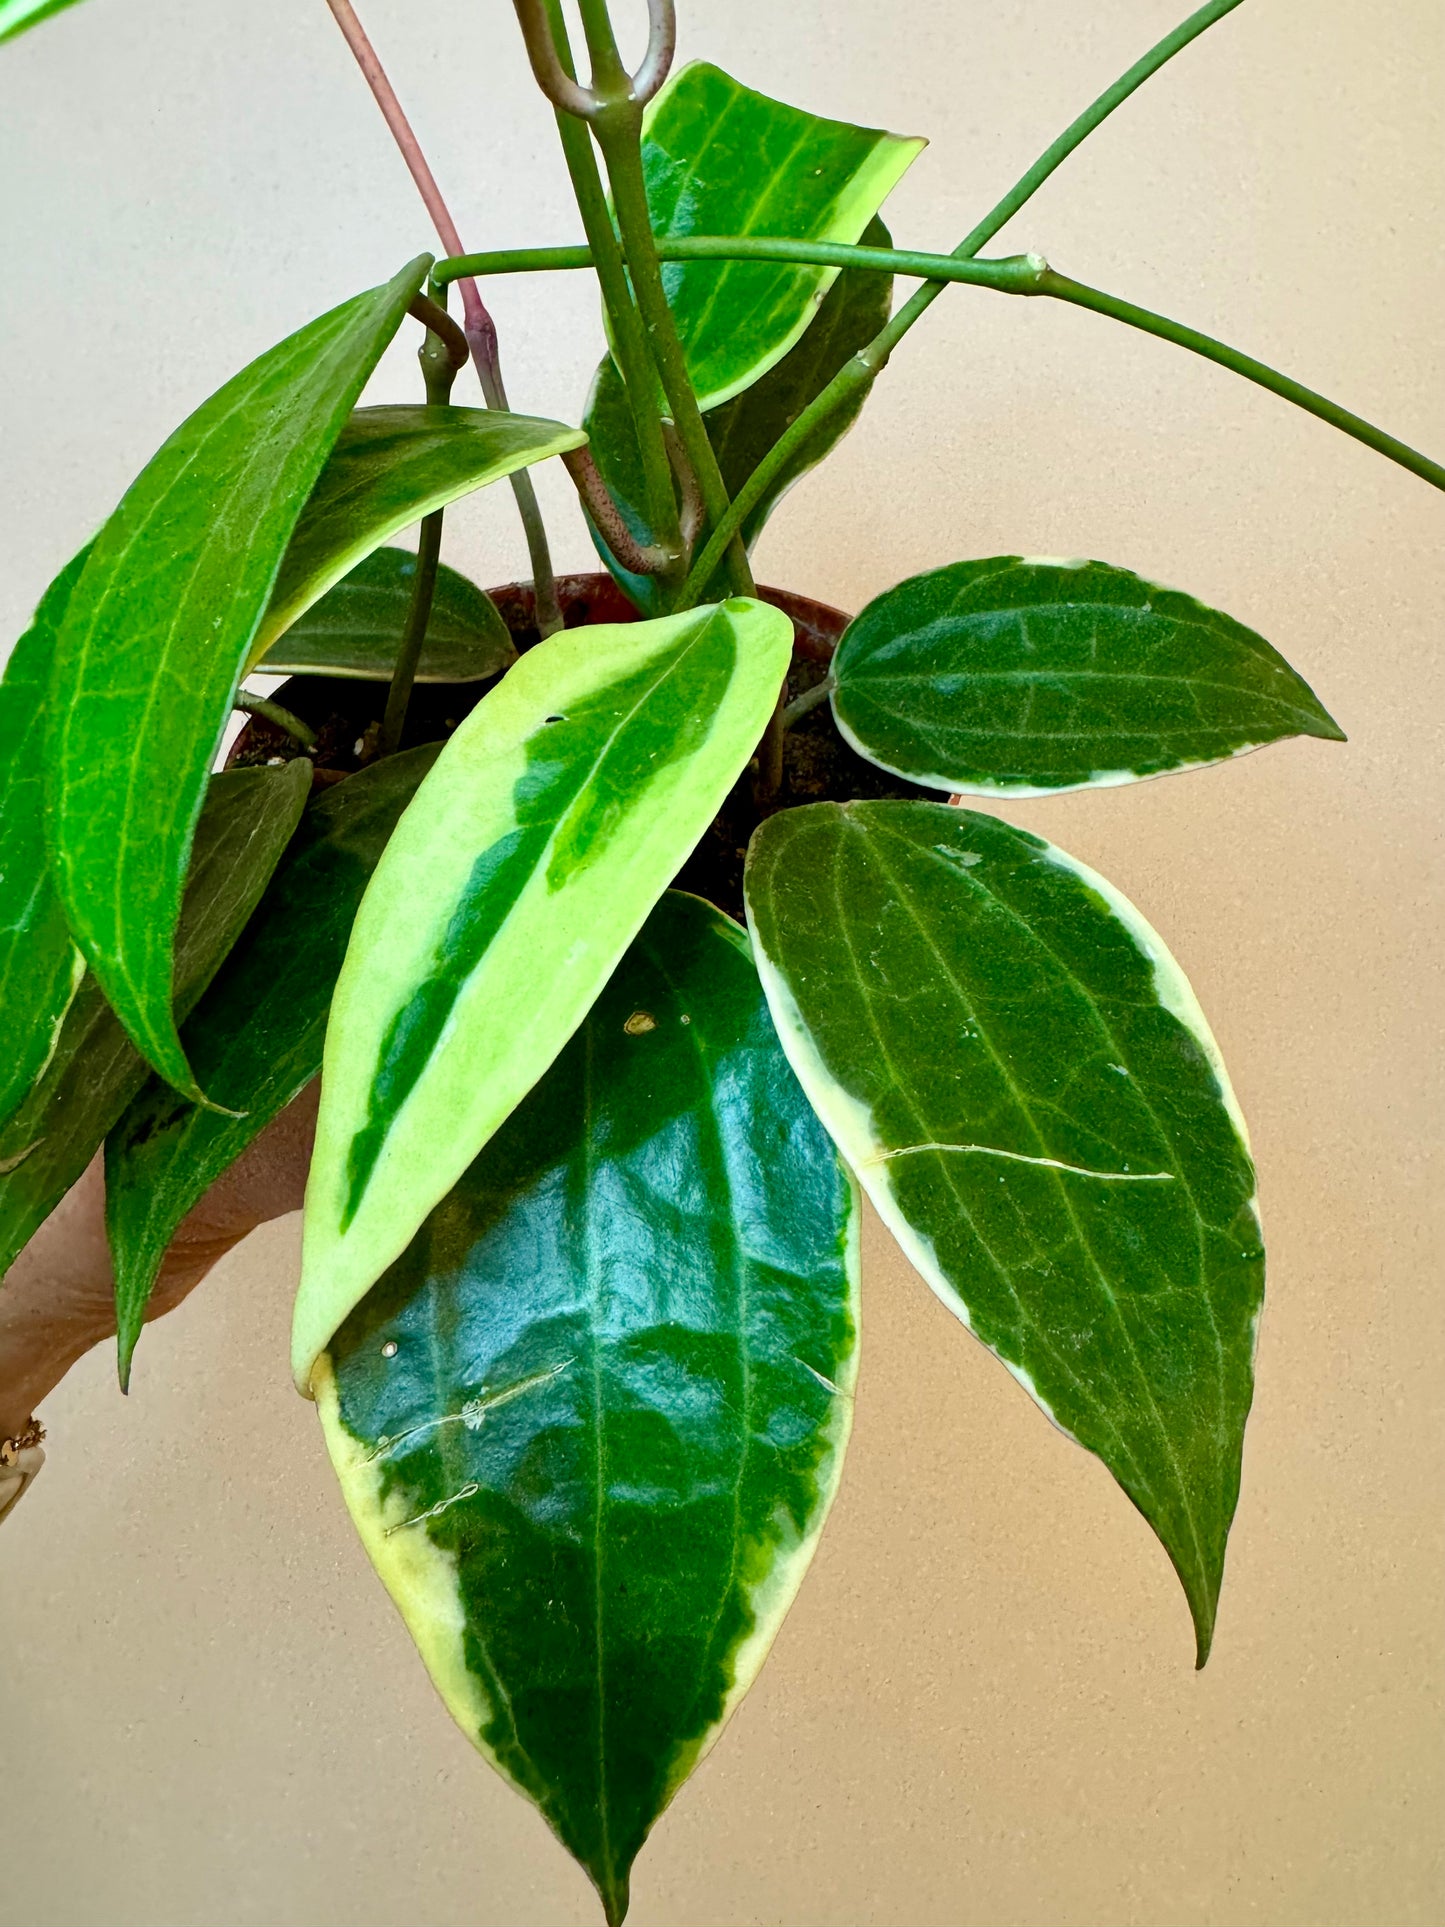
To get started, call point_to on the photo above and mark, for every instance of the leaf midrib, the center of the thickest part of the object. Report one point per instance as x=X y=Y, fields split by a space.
x=1170 y=1158
x=1025 y=1311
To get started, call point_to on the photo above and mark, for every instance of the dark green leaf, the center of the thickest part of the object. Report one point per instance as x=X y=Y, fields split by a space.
x=355 y=628
x=612 y=439
x=722 y=159
x=40 y=967
x=554 y=819
x=1020 y=1075
x=255 y=1038
x=590 y=1423
x=390 y=467
x=246 y=822
x=158 y=631
x=17 y=15
x=743 y=430
x=1030 y=675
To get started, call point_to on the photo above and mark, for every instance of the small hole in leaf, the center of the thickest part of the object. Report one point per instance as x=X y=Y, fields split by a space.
x=554 y=719
x=640 y=1023
x=390 y=1348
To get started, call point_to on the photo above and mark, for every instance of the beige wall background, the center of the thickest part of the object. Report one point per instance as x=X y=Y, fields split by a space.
x=982 y=1711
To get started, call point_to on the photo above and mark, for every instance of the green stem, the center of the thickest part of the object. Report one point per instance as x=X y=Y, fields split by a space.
x=858 y=372
x=629 y=339
x=481 y=333
x=1061 y=288
x=611 y=81
x=1006 y=275
x=618 y=135
x=810 y=699
x=408 y=655
x=616 y=125
x=274 y=713
x=440 y=357
x=1079 y=130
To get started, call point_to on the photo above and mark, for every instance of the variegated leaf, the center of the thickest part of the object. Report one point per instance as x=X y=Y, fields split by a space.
x=590 y=1423
x=1025 y=675
x=1023 y=1080
x=554 y=819
x=390 y=467
x=720 y=158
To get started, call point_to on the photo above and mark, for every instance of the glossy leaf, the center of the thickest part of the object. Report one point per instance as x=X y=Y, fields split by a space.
x=721 y=159
x=156 y=635
x=744 y=429
x=590 y=1423
x=1030 y=675
x=1023 y=1080
x=390 y=467
x=17 y=15
x=554 y=819
x=95 y=1071
x=40 y=967
x=355 y=628
x=255 y=1038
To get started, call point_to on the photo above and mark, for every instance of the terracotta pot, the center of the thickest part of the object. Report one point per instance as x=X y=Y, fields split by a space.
x=818 y=764
x=597 y=598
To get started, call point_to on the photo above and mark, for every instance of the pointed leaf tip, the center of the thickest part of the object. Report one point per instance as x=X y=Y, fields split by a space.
x=156 y=634
x=616 y=1898
x=1026 y=675
x=592 y=1506
x=94 y=1070
x=1043 y=1121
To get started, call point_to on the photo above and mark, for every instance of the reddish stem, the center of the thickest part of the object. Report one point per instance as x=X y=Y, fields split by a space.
x=480 y=329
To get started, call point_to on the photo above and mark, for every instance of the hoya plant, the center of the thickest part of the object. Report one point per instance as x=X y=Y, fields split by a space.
x=635 y=926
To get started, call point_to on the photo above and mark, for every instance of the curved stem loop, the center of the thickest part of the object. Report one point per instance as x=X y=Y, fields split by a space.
x=435 y=317
x=661 y=46
x=567 y=95
x=565 y=91
x=608 y=518
x=276 y=714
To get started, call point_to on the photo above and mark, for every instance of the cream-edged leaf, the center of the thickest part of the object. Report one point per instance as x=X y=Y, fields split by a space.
x=1021 y=1076
x=590 y=1423
x=1026 y=675
x=553 y=820
x=721 y=158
